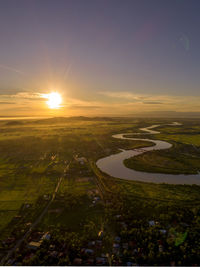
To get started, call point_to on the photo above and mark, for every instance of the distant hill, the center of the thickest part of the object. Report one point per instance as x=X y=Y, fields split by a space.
x=68 y=119
x=167 y=114
x=14 y=123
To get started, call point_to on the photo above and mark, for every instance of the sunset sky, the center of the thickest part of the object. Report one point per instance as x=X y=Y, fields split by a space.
x=105 y=57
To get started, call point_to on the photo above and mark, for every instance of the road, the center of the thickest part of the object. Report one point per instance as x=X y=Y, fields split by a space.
x=33 y=225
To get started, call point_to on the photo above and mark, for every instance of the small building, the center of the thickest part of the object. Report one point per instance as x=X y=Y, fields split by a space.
x=46 y=236
x=163 y=231
x=89 y=251
x=34 y=245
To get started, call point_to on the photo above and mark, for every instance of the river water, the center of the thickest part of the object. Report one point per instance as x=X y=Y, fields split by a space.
x=114 y=166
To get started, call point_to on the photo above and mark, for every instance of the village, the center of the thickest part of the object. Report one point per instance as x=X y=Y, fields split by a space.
x=119 y=238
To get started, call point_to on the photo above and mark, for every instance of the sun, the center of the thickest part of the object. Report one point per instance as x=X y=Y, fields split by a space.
x=54 y=100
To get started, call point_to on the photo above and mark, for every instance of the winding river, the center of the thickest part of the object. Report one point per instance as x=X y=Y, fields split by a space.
x=114 y=166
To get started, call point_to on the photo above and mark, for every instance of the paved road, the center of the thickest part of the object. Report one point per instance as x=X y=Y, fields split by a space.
x=19 y=242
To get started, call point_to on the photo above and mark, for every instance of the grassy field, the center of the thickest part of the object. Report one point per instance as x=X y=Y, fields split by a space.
x=165 y=162
x=17 y=188
x=73 y=207
x=186 y=134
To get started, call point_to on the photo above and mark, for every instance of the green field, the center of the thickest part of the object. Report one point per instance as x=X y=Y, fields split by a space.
x=182 y=158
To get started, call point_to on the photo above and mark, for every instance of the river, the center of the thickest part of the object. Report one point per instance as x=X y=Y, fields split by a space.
x=114 y=164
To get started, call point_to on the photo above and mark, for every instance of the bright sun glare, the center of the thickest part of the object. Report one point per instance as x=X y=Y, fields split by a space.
x=54 y=100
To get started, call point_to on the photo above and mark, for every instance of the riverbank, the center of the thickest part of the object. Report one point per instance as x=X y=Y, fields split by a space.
x=114 y=164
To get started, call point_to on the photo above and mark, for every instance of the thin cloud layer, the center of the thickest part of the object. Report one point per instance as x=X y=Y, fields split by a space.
x=108 y=102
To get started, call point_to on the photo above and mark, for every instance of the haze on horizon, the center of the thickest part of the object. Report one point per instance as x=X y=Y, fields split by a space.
x=103 y=57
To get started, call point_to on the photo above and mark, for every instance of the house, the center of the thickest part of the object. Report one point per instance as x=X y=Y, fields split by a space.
x=89 y=251
x=163 y=231
x=34 y=245
x=46 y=236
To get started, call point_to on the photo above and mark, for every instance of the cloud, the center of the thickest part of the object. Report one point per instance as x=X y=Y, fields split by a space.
x=28 y=95
x=124 y=95
x=153 y=102
x=84 y=107
x=139 y=98
x=11 y=69
x=110 y=103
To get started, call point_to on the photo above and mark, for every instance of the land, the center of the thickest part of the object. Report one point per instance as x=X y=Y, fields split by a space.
x=58 y=208
x=182 y=158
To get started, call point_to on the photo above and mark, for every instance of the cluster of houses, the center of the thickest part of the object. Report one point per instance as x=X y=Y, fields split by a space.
x=94 y=251
x=37 y=241
x=90 y=255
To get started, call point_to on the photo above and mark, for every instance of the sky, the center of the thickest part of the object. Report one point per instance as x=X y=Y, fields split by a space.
x=105 y=57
